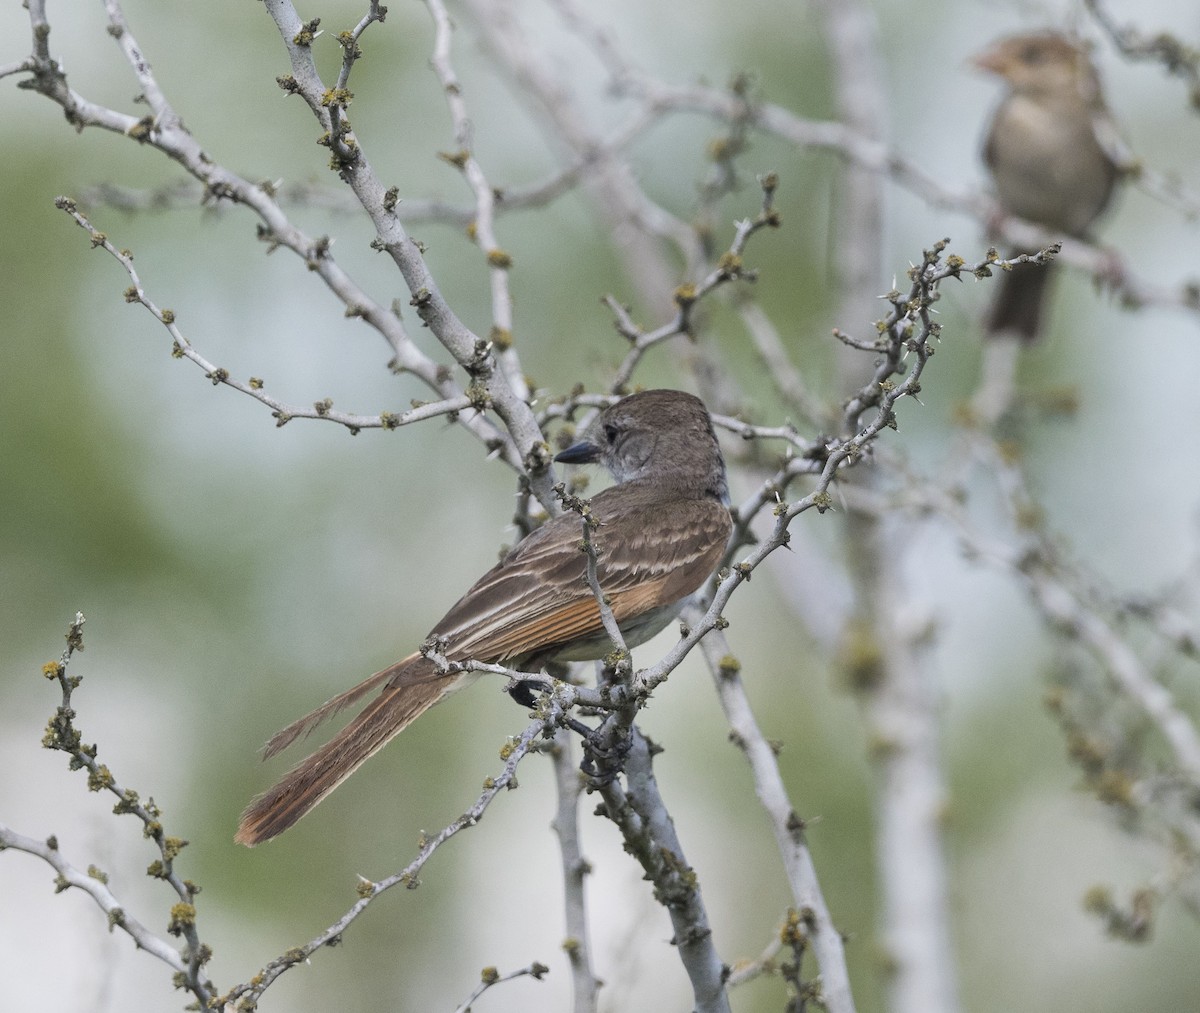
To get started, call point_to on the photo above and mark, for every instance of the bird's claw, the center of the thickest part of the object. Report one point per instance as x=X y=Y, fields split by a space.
x=604 y=756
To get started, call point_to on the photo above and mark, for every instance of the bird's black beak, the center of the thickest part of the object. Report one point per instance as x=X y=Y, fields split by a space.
x=579 y=453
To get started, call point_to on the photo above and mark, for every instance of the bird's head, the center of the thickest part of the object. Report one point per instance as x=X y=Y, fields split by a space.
x=1041 y=64
x=662 y=436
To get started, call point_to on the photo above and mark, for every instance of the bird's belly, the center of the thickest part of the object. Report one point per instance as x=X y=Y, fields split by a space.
x=636 y=631
x=1048 y=173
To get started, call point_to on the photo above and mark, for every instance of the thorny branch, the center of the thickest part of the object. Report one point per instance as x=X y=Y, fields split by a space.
x=638 y=810
x=61 y=734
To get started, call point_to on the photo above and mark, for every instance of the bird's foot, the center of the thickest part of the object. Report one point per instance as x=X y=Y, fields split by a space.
x=604 y=755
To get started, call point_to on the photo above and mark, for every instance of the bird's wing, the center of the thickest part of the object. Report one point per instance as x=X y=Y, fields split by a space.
x=538 y=597
x=650 y=553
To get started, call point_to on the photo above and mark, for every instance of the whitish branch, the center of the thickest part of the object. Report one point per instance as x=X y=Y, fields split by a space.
x=816 y=922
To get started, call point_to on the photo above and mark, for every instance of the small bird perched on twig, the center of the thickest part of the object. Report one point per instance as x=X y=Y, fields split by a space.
x=1048 y=154
x=661 y=531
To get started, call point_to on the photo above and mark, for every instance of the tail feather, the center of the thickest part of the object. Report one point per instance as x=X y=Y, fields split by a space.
x=1018 y=305
x=300 y=728
x=306 y=784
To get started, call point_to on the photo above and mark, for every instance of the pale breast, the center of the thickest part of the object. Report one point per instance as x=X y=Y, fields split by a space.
x=1048 y=166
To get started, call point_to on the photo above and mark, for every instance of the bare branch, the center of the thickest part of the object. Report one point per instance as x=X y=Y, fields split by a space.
x=729 y=267
x=649 y=834
x=641 y=226
x=490 y=977
x=513 y=753
x=1066 y=600
x=62 y=735
x=164 y=132
x=816 y=922
x=95 y=884
x=575 y=869
x=1176 y=56
x=587 y=542
x=483 y=223
x=282 y=412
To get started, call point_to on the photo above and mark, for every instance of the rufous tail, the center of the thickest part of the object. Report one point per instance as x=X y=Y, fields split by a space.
x=301 y=727
x=411 y=687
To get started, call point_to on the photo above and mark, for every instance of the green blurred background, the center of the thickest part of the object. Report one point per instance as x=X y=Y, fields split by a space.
x=234 y=574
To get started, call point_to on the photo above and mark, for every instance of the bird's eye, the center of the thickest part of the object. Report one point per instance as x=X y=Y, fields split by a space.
x=1033 y=54
x=610 y=432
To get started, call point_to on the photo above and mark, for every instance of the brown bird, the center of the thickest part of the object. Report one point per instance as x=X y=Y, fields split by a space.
x=662 y=531
x=1047 y=154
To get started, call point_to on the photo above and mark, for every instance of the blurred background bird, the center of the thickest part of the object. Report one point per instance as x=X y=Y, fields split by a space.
x=1046 y=150
x=1046 y=156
